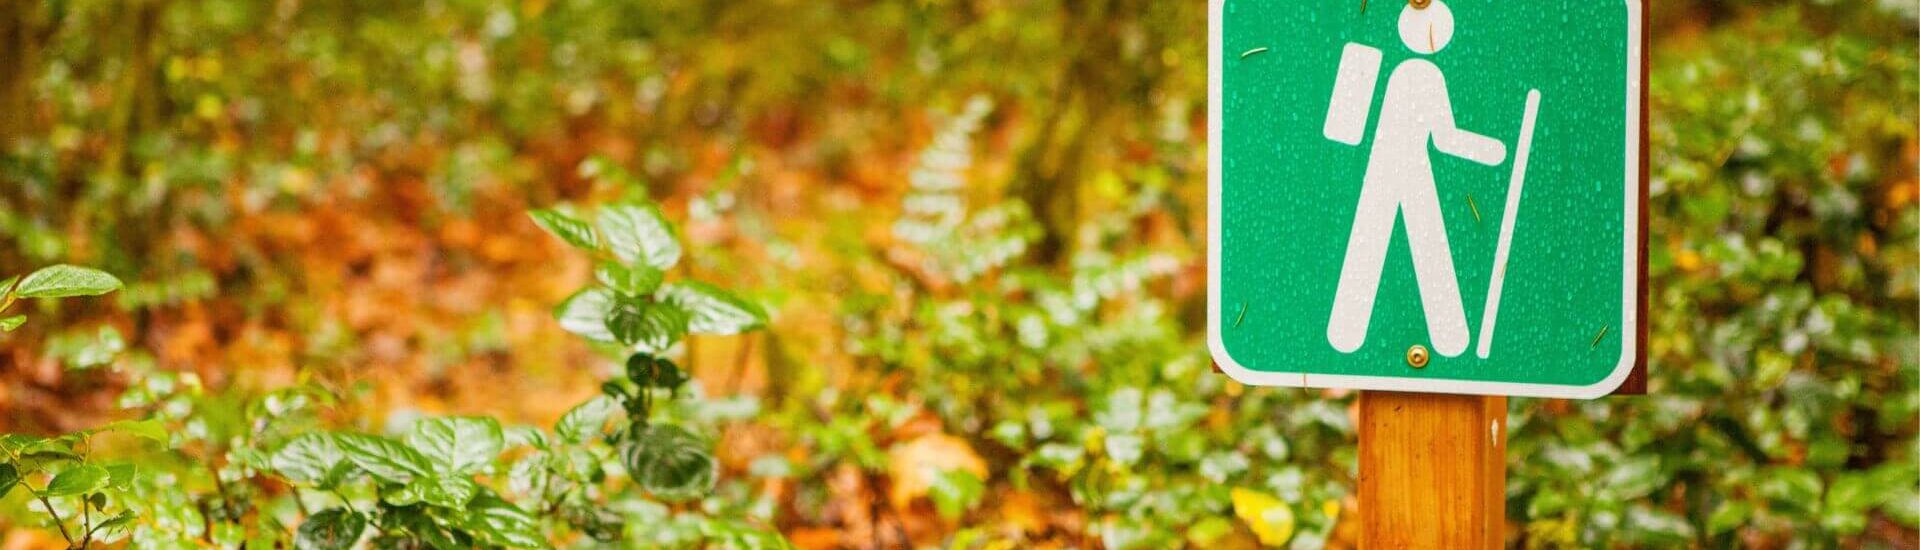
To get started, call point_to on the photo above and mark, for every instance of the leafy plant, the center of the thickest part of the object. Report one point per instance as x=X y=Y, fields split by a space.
x=59 y=281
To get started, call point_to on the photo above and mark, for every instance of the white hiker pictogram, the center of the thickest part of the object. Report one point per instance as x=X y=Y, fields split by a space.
x=1399 y=183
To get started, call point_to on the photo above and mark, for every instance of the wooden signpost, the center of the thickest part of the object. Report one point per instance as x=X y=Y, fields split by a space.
x=1441 y=202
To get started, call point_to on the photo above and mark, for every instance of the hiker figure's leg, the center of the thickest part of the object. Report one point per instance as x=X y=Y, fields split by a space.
x=1433 y=268
x=1360 y=274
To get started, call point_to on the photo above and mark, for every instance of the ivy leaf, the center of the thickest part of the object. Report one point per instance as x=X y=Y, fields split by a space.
x=670 y=462
x=307 y=458
x=638 y=233
x=500 y=523
x=585 y=313
x=78 y=480
x=714 y=311
x=384 y=458
x=653 y=326
x=9 y=476
x=636 y=280
x=457 y=446
x=574 y=231
x=586 y=420
x=330 y=529
x=1270 y=519
x=62 y=281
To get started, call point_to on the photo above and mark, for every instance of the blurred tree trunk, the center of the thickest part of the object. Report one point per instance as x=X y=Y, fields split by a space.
x=1053 y=166
x=1107 y=61
x=137 y=97
x=25 y=28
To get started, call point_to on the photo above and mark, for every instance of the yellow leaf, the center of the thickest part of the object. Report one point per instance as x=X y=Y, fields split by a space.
x=1270 y=519
x=915 y=464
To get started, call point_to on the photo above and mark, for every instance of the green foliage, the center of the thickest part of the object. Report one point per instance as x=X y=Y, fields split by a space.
x=447 y=482
x=59 y=281
x=1039 y=305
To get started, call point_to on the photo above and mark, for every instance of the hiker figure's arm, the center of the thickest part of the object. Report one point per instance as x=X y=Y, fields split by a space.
x=1450 y=139
x=1470 y=146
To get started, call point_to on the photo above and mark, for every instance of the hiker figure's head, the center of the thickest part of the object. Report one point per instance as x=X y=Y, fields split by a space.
x=1426 y=30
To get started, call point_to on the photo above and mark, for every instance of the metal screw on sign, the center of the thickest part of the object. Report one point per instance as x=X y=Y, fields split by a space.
x=1417 y=356
x=1420 y=4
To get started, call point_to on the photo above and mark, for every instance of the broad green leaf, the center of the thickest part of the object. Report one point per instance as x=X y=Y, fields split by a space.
x=1658 y=528
x=635 y=280
x=331 y=529
x=1856 y=492
x=1904 y=507
x=1728 y=516
x=638 y=233
x=151 y=429
x=460 y=445
x=954 y=492
x=78 y=480
x=307 y=458
x=526 y=436
x=1791 y=487
x=62 y=281
x=1634 y=478
x=111 y=528
x=6 y=288
x=14 y=443
x=426 y=530
x=500 y=523
x=585 y=313
x=120 y=475
x=586 y=420
x=714 y=311
x=444 y=492
x=9 y=476
x=601 y=524
x=670 y=462
x=385 y=458
x=1270 y=519
x=574 y=231
x=45 y=450
x=10 y=323
x=651 y=326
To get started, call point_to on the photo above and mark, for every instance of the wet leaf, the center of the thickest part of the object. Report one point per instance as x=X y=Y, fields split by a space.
x=62 y=281
x=574 y=231
x=307 y=458
x=714 y=311
x=1270 y=519
x=385 y=458
x=586 y=420
x=670 y=462
x=638 y=233
x=459 y=445
x=331 y=529
x=78 y=480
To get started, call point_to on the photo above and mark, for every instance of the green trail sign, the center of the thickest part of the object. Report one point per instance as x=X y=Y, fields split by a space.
x=1431 y=196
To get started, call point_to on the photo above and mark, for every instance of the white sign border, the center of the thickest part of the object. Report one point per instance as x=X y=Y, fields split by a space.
x=1630 y=251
